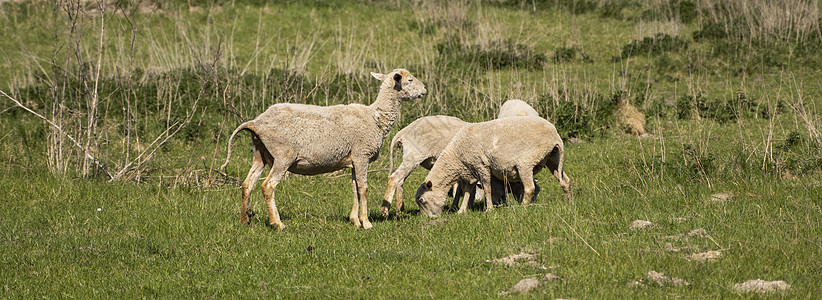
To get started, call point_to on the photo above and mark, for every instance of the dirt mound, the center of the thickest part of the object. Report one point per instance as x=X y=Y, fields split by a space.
x=699 y=232
x=722 y=197
x=662 y=280
x=523 y=286
x=704 y=257
x=762 y=286
x=514 y=260
x=640 y=224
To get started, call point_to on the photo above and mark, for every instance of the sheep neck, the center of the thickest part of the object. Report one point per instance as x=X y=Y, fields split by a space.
x=387 y=108
x=445 y=173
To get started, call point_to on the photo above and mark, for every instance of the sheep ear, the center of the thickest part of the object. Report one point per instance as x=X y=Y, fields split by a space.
x=397 y=81
x=429 y=184
x=379 y=76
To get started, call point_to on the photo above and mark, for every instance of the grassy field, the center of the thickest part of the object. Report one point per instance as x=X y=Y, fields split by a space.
x=731 y=165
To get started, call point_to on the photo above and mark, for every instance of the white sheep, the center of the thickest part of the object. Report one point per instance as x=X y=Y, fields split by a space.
x=482 y=151
x=516 y=108
x=310 y=140
x=422 y=141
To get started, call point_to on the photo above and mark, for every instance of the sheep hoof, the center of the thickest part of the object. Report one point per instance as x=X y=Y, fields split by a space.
x=355 y=221
x=280 y=226
x=366 y=225
x=384 y=211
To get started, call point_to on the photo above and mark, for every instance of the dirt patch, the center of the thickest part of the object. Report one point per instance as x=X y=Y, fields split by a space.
x=722 y=197
x=523 y=286
x=762 y=286
x=705 y=257
x=662 y=280
x=574 y=140
x=514 y=260
x=699 y=232
x=640 y=224
x=550 y=277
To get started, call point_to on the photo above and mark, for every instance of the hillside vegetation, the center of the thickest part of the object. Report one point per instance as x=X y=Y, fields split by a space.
x=115 y=117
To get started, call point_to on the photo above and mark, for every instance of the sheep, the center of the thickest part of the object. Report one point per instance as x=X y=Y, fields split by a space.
x=482 y=151
x=426 y=137
x=516 y=108
x=309 y=140
x=422 y=141
x=510 y=108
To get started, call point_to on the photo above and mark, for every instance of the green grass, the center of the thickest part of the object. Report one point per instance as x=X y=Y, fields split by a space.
x=171 y=228
x=75 y=238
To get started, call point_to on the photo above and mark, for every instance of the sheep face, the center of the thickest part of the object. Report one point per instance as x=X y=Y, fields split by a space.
x=407 y=86
x=430 y=201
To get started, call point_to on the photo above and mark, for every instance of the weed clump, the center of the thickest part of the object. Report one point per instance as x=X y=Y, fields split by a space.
x=684 y=11
x=653 y=46
x=720 y=110
x=798 y=155
x=568 y=54
x=576 y=7
x=494 y=56
x=582 y=118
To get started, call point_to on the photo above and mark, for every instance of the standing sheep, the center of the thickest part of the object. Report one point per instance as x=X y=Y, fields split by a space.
x=310 y=140
x=488 y=150
x=516 y=108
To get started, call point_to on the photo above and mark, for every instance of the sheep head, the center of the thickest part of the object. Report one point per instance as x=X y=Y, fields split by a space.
x=429 y=200
x=407 y=86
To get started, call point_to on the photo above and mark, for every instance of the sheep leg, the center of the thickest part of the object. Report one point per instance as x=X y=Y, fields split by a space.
x=500 y=191
x=469 y=189
x=565 y=183
x=395 y=182
x=268 y=187
x=248 y=185
x=456 y=191
x=526 y=176
x=353 y=216
x=485 y=180
x=361 y=178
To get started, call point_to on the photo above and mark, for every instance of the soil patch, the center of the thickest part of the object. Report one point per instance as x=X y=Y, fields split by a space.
x=640 y=224
x=705 y=257
x=523 y=286
x=762 y=286
x=722 y=197
x=514 y=260
x=662 y=280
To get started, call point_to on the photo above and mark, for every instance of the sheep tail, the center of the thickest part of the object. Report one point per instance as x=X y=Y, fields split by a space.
x=391 y=151
x=246 y=125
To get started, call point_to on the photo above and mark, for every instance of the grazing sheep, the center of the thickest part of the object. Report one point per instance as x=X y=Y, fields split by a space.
x=310 y=140
x=422 y=141
x=488 y=150
x=509 y=109
x=516 y=108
